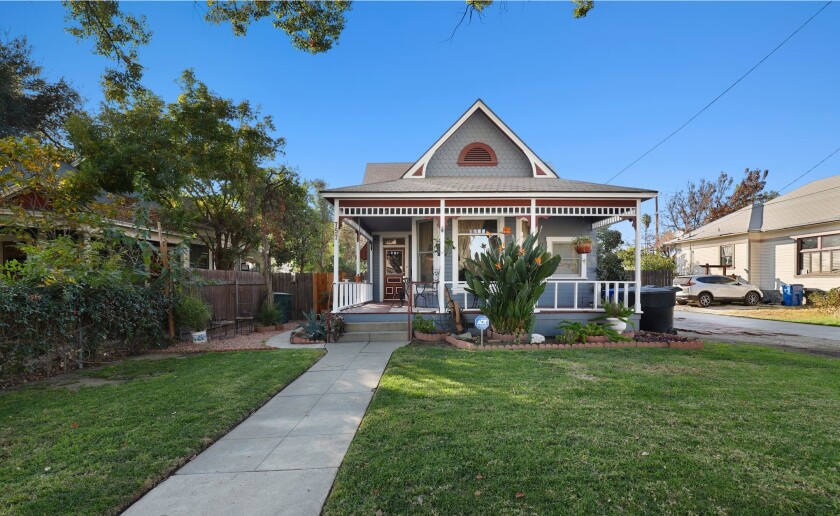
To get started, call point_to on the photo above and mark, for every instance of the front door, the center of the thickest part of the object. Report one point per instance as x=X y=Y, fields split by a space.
x=394 y=272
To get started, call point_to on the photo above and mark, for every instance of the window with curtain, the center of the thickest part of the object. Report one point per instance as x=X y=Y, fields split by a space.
x=474 y=237
x=727 y=255
x=426 y=249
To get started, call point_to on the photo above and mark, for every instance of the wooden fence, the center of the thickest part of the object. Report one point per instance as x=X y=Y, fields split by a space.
x=657 y=278
x=223 y=286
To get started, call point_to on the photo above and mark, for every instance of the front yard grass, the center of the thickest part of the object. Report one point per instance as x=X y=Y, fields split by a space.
x=803 y=314
x=728 y=429
x=94 y=449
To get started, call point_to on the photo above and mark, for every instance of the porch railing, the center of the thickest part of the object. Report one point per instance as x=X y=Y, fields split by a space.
x=353 y=294
x=572 y=295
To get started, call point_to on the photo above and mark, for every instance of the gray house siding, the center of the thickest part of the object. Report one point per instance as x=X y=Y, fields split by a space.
x=479 y=128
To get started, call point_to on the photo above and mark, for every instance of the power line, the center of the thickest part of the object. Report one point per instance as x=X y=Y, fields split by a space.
x=680 y=128
x=810 y=169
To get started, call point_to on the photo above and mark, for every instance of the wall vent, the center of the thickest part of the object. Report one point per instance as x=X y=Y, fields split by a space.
x=477 y=155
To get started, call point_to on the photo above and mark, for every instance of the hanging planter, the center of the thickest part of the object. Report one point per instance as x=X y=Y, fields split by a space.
x=583 y=244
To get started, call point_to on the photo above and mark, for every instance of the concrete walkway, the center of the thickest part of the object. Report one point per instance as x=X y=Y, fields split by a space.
x=284 y=457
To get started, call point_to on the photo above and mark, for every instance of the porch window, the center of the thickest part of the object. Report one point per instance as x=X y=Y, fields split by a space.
x=426 y=249
x=524 y=230
x=474 y=238
x=727 y=255
x=572 y=264
x=819 y=254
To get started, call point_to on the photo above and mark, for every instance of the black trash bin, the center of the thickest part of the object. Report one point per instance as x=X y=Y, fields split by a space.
x=657 y=308
x=283 y=300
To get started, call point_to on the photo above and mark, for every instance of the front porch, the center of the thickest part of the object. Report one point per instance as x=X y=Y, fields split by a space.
x=411 y=272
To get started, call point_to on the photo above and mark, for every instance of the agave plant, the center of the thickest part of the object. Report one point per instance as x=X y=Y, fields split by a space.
x=508 y=280
x=312 y=328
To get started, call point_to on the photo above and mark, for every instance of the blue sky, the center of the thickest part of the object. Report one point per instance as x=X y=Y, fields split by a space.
x=589 y=96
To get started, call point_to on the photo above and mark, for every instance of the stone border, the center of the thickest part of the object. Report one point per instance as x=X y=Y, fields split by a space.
x=691 y=344
x=429 y=337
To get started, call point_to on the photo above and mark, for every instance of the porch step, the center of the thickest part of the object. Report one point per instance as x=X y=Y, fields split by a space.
x=367 y=327
x=374 y=336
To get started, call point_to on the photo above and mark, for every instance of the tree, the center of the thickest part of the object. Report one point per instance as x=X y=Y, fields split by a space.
x=646 y=220
x=651 y=261
x=313 y=26
x=609 y=266
x=201 y=157
x=29 y=104
x=707 y=201
x=304 y=229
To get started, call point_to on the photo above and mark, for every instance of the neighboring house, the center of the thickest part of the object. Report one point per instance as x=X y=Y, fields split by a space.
x=199 y=255
x=474 y=181
x=794 y=238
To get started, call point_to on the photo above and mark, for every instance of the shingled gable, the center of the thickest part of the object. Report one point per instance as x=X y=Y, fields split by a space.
x=539 y=168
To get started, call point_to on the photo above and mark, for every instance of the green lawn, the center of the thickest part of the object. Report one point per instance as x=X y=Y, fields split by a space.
x=789 y=314
x=729 y=429
x=96 y=450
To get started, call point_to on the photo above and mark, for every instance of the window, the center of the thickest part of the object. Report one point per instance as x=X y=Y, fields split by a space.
x=12 y=252
x=426 y=249
x=477 y=155
x=727 y=255
x=524 y=230
x=572 y=264
x=474 y=236
x=819 y=254
x=199 y=257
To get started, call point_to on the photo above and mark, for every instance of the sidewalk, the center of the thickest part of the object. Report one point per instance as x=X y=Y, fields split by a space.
x=284 y=457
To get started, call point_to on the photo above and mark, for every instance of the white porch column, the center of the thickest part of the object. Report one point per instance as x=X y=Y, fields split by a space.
x=441 y=262
x=638 y=278
x=336 y=223
x=358 y=254
x=533 y=216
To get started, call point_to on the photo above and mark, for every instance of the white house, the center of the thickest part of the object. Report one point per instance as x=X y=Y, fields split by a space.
x=794 y=238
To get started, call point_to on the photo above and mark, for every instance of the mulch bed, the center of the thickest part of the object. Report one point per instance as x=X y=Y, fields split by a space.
x=641 y=339
x=254 y=341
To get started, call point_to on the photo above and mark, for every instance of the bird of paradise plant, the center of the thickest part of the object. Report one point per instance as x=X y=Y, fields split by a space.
x=508 y=280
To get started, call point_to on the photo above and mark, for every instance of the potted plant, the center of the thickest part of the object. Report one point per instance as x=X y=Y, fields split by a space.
x=583 y=244
x=579 y=333
x=268 y=318
x=616 y=316
x=194 y=313
x=357 y=278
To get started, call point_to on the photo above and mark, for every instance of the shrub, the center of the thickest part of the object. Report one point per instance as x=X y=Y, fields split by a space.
x=826 y=300
x=312 y=328
x=423 y=325
x=616 y=311
x=508 y=280
x=193 y=312
x=334 y=326
x=269 y=315
x=574 y=332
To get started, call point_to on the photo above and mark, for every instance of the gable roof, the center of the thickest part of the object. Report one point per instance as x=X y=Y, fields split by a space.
x=507 y=185
x=378 y=172
x=540 y=169
x=815 y=203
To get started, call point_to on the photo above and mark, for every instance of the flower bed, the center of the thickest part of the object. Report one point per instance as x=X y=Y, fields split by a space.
x=648 y=340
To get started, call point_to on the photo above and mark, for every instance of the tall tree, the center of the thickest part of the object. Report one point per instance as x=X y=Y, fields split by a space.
x=609 y=266
x=304 y=229
x=312 y=26
x=646 y=220
x=29 y=104
x=707 y=201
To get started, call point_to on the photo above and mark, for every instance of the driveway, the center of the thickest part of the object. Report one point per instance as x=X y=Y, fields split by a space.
x=284 y=457
x=706 y=324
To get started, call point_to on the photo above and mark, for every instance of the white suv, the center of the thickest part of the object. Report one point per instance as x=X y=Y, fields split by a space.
x=706 y=288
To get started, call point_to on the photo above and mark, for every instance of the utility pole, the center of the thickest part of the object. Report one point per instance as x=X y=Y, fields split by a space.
x=656 y=207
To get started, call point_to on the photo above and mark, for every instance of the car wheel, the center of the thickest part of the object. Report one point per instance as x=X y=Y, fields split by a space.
x=752 y=299
x=704 y=299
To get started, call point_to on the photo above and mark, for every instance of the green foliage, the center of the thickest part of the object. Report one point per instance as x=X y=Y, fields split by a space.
x=574 y=332
x=29 y=104
x=117 y=36
x=825 y=300
x=609 y=266
x=193 y=312
x=313 y=26
x=269 y=314
x=616 y=311
x=508 y=280
x=312 y=328
x=582 y=239
x=423 y=325
x=650 y=261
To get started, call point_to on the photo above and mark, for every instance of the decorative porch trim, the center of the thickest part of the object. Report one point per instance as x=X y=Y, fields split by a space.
x=490 y=211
